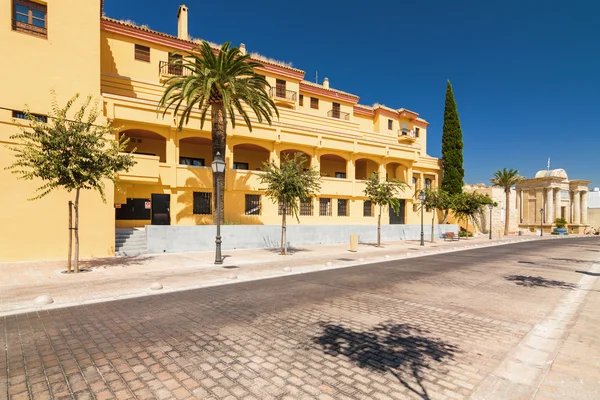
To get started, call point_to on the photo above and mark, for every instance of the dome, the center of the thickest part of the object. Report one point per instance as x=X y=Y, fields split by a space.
x=553 y=173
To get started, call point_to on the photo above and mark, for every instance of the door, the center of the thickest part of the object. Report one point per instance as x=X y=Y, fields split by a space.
x=161 y=209
x=335 y=112
x=397 y=219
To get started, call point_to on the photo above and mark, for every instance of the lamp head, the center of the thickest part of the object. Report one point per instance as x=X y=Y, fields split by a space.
x=218 y=164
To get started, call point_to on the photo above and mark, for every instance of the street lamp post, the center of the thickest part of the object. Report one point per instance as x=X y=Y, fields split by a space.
x=491 y=208
x=541 y=222
x=218 y=167
x=422 y=197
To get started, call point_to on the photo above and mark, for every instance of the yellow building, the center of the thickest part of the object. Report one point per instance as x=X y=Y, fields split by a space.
x=125 y=65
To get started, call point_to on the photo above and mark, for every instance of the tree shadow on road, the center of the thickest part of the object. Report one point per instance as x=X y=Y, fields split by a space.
x=401 y=349
x=588 y=273
x=538 y=281
x=572 y=260
x=110 y=262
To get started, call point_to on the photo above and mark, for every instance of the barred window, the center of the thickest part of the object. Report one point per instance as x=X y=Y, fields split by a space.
x=202 y=202
x=343 y=208
x=301 y=100
x=306 y=208
x=390 y=124
x=30 y=17
x=427 y=183
x=22 y=115
x=325 y=207
x=368 y=208
x=196 y=162
x=252 y=204
x=416 y=132
x=288 y=211
x=142 y=53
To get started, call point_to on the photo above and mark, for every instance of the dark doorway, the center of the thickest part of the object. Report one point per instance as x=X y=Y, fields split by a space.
x=398 y=219
x=161 y=209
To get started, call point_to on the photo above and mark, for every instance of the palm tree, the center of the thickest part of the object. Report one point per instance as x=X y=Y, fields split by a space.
x=506 y=179
x=222 y=81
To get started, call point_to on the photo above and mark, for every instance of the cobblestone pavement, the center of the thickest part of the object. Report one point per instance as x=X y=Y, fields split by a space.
x=425 y=328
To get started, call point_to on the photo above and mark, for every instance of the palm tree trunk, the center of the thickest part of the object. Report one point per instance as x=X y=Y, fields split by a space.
x=507 y=216
x=219 y=138
x=76 y=263
x=284 y=231
x=379 y=228
x=446 y=214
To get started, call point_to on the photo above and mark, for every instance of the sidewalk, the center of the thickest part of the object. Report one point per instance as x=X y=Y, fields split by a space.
x=124 y=277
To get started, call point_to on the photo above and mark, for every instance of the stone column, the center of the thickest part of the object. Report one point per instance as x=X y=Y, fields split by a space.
x=576 y=207
x=557 y=203
x=549 y=206
x=584 y=208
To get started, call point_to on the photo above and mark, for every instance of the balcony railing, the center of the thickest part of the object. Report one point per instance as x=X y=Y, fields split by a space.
x=281 y=93
x=29 y=28
x=338 y=114
x=406 y=132
x=167 y=68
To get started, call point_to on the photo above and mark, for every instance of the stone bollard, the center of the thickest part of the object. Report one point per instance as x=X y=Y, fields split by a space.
x=156 y=286
x=328 y=264
x=43 y=300
x=354 y=243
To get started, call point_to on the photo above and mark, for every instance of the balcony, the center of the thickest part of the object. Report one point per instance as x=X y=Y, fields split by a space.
x=165 y=69
x=245 y=180
x=284 y=97
x=336 y=186
x=338 y=115
x=145 y=170
x=406 y=135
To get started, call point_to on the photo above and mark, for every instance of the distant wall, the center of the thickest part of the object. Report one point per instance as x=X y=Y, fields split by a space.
x=173 y=239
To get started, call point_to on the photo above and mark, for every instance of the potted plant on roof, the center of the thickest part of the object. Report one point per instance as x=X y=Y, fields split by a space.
x=560 y=229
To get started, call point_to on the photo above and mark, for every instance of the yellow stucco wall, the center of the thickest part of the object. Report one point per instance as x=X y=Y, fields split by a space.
x=68 y=61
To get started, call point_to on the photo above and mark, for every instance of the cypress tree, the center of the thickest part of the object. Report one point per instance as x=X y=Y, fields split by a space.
x=452 y=146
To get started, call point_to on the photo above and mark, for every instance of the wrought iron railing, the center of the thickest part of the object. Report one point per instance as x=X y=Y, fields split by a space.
x=166 y=68
x=406 y=132
x=283 y=94
x=338 y=114
x=29 y=28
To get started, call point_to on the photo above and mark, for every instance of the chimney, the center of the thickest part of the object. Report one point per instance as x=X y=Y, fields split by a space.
x=243 y=48
x=182 y=23
x=326 y=83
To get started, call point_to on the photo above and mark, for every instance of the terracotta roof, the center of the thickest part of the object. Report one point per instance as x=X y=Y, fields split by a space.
x=309 y=83
x=195 y=42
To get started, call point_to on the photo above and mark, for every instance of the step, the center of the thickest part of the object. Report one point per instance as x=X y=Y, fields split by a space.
x=130 y=248
x=131 y=240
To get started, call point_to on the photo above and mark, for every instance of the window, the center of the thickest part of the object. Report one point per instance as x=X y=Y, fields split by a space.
x=22 y=115
x=335 y=110
x=202 y=201
x=306 y=208
x=416 y=132
x=196 y=162
x=240 y=165
x=29 y=17
x=252 y=204
x=301 y=100
x=415 y=207
x=427 y=183
x=314 y=103
x=325 y=207
x=142 y=53
x=367 y=208
x=280 y=210
x=340 y=175
x=177 y=68
x=390 y=124
x=343 y=208
x=414 y=182
x=280 y=88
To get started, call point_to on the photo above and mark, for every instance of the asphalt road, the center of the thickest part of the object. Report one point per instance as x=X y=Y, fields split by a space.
x=427 y=328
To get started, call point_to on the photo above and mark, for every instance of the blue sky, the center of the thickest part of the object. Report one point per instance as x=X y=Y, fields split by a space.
x=525 y=73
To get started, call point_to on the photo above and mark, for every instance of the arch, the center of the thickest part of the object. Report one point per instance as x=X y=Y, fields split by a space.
x=364 y=167
x=395 y=170
x=291 y=153
x=195 y=151
x=142 y=141
x=333 y=165
x=250 y=156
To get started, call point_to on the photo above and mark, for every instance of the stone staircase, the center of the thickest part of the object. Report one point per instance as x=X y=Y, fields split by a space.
x=130 y=241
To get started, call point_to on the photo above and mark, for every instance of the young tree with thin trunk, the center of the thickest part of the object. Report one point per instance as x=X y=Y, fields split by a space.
x=453 y=172
x=506 y=179
x=435 y=199
x=383 y=194
x=289 y=184
x=220 y=82
x=72 y=154
x=466 y=206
